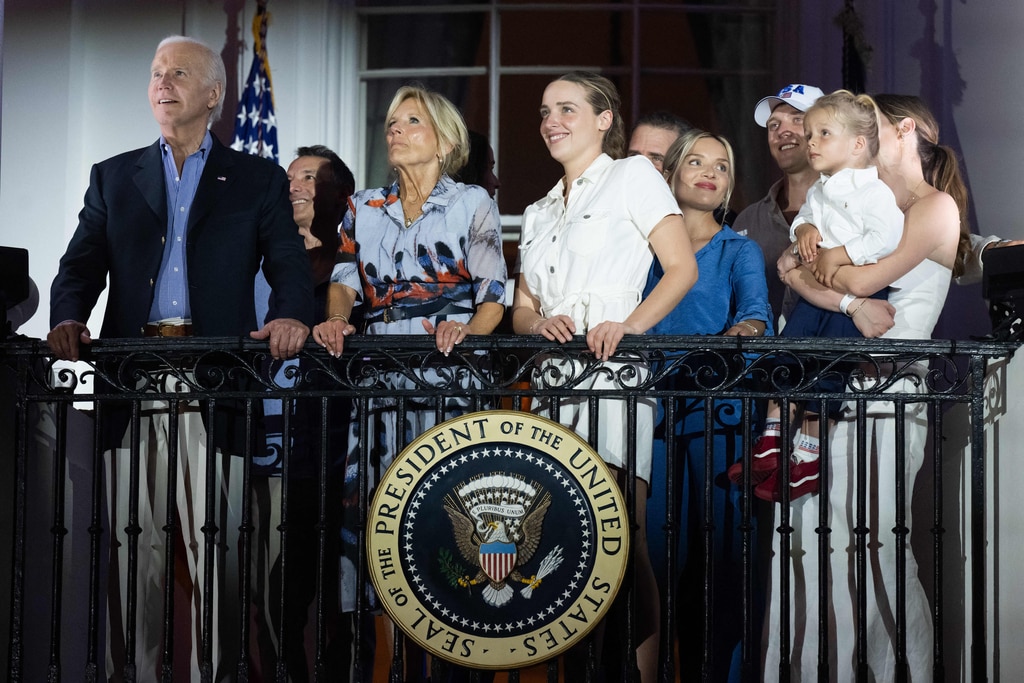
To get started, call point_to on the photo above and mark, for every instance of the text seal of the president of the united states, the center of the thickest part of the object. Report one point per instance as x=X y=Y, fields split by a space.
x=497 y=539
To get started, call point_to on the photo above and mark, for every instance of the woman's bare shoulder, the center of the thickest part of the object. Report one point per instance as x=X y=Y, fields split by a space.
x=934 y=222
x=935 y=208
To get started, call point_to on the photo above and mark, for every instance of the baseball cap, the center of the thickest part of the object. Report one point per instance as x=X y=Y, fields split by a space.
x=795 y=94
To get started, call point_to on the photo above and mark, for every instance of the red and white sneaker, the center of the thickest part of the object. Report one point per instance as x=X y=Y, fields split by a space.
x=803 y=480
x=764 y=459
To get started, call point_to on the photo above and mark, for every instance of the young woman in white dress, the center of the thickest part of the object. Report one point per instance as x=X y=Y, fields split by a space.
x=585 y=252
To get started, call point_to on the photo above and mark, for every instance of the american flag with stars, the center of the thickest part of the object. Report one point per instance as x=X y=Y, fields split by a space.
x=255 y=125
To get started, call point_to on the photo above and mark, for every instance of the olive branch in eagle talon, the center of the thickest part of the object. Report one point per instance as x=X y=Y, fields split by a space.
x=452 y=569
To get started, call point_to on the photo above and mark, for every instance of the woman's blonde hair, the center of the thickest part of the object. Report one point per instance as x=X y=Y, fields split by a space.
x=602 y=96
x=444 y=118
x=682 y=146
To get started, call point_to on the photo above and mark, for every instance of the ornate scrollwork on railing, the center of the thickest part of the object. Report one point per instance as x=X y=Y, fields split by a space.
x=496 y=365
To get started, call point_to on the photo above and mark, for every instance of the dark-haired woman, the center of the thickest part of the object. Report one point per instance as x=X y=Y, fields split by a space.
x=925 y=178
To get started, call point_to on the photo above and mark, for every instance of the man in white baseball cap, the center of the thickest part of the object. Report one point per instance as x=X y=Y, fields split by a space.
x=767 y=221
x=797 y=95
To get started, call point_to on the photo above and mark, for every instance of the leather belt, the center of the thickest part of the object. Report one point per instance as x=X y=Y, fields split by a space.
x=167 y=330
x=390 y=314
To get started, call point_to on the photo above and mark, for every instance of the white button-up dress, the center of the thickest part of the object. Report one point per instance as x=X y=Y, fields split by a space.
x=589 y=259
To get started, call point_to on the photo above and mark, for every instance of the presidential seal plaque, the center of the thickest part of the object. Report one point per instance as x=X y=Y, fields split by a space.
x=497 y=539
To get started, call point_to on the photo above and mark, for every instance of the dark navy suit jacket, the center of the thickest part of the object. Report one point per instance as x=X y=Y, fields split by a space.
x=240 y=214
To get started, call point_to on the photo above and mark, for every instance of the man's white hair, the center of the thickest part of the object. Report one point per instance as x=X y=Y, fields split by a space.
x=214 y=70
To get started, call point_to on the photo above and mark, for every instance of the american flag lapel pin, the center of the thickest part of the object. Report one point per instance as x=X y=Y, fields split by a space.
x=222 y=178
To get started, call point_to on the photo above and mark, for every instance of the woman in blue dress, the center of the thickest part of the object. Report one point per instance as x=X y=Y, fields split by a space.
x=729 y=298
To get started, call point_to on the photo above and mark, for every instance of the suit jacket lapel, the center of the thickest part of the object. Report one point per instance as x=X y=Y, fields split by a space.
x=149 y=178
x=217 y=177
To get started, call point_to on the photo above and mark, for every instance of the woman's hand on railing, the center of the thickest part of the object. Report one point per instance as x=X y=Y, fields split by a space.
x=559 y=328
x=331 y=334
x=447 y=334
x=874 y=317
x=603 y=339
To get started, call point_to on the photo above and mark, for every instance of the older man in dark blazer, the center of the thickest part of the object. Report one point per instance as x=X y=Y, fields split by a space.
x=180 y=228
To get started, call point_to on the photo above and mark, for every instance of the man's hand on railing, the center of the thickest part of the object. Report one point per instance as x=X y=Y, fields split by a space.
x=65 y=338
x=874 y=317
x=286 y=335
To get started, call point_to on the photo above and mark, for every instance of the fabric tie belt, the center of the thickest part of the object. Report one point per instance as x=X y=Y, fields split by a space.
x=167 y=330
x=390 y=314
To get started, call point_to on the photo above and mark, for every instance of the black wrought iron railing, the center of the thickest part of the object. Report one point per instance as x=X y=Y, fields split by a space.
x=62 y=567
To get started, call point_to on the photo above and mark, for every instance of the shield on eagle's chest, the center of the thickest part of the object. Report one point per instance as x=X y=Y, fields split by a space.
x=497 y=559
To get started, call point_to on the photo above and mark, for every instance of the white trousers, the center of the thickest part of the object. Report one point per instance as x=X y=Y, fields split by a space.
x=880 y=586
x=190 y=504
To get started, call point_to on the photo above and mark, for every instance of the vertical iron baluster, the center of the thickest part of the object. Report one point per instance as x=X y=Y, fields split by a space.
x=900 y=531
x=171 y=530
x=671 y=536
x=323 y=561
x=938 y=531
x=751 y=643
x=824 y=533
x=979 y=638
x=362 y=609
x=96 y=516
x=132 y=531
x=785 y=530
x=861 y=532
x=633 y=671
x=245 y=532
x=282 y=557
x=708 y=530
x=209 y=530
x=57 y=534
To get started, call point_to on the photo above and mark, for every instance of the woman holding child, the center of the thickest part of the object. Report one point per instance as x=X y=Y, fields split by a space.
x=925 y=179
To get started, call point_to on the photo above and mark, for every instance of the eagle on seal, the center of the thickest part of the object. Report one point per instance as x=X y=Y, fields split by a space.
x=498 y=545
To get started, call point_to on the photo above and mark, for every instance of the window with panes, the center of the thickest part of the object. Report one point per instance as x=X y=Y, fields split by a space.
x=708 y=62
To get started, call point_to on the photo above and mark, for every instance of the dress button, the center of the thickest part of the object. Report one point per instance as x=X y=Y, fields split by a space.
x=551 y=269
x=554 y=237
x=580 y=181
x=586 y=216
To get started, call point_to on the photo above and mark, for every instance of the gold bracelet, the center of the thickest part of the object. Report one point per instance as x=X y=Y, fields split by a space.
x=535 y=323
x=338 y=316
x=856 y=310
x=751 y=327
